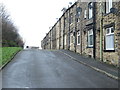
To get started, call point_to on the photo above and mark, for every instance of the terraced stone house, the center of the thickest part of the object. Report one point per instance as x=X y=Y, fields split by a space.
x=89 y=28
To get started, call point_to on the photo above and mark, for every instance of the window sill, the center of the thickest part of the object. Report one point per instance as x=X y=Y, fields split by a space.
x=89 y=46
x=89 y=18
x=109 y=50
x=89 y=22
x=71 y=43
x=71 y=24
x=105 y=14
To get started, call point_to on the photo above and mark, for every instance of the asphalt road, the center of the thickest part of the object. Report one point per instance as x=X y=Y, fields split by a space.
x=51 y=69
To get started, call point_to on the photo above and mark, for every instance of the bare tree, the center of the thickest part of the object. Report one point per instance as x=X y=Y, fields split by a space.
x=0 y=26
x=10 y=35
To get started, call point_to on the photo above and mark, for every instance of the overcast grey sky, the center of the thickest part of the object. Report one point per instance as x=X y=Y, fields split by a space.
x=34 y=17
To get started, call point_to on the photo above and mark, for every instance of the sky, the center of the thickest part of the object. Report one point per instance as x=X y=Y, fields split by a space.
x=34 y=17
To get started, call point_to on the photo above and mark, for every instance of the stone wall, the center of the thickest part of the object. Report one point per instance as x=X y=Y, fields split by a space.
x=110 y=18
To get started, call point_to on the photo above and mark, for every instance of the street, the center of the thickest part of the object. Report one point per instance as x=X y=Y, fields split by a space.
x=34 y=68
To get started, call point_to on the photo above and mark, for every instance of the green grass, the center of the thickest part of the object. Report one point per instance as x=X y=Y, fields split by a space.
x=6 y=54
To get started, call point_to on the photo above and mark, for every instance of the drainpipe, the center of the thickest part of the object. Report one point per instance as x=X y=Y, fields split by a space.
x=69 y=32
x=94 y=29
x=50 y=40
x=81 y=33
x=63 y=30
x=59 y=34
x=75 y=29
x=101 y=33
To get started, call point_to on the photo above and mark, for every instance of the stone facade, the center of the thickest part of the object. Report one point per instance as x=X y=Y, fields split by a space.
x=57 y=35
x=54 y=37
x=66 y=30
x=109 y=20
x=89 y=29
x=61 y=32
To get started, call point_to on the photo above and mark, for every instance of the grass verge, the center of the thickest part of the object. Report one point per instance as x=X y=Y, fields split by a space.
x=7 y=53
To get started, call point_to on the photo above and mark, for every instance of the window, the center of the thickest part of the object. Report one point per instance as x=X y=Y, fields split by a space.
x=65 y=40
x=71 y=38
x=71 y=18
x=90 y=10
x=61 y=42
x=109 y=38
x=65 y=22
x=108 y=5
x=78 y=13
x=90 y=38
x=85 y=14
x=78 y=20
x=79 y=10
x=78 y=38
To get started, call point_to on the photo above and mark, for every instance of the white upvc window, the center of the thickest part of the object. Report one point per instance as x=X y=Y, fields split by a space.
x=78 y=13
x=90 y=10
x=71 y=38
x=108 y=5
x=85 y=14
x=90 y=38
x=65 y=40
x=61 y=44
x=78 y=20
x=109 y=38
x=78 y=38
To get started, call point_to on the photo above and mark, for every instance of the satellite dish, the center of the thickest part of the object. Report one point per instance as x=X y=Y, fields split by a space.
x=79 y=9
x=64 y=9
x=70 y=3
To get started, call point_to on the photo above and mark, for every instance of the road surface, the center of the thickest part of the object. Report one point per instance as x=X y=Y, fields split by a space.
x=33 y=68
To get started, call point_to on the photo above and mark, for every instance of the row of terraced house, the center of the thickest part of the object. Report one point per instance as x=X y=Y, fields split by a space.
x=90 y=29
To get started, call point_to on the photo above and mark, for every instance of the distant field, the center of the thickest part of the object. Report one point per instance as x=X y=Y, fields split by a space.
x=6 y=53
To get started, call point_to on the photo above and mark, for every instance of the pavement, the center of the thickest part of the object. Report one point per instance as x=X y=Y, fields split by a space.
x=33 y=68
x=109 y=70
